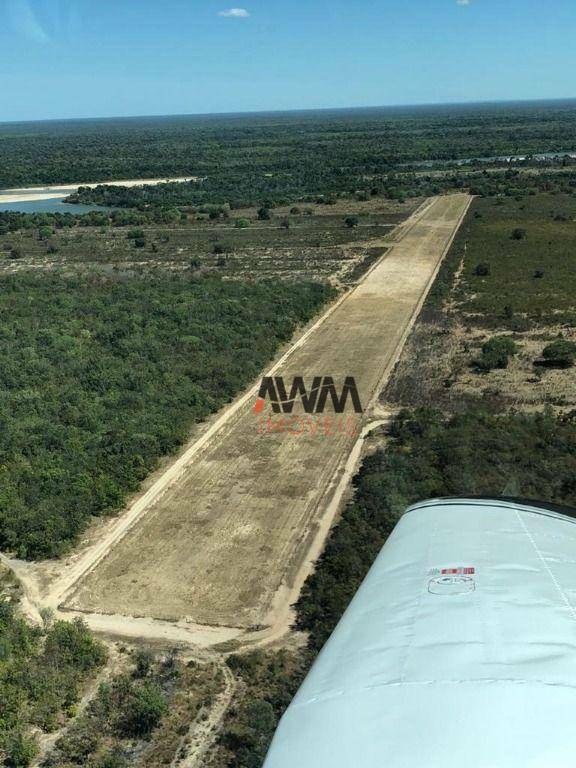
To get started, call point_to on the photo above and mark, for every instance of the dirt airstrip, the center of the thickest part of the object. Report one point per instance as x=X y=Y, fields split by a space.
x=215 y=541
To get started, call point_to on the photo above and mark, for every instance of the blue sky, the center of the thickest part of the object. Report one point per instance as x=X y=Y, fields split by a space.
x=89 y=58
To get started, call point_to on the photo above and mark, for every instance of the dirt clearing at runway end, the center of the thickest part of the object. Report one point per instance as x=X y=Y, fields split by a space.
x=217 y=543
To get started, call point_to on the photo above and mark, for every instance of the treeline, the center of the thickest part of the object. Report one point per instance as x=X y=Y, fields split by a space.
x=15 y=221
x=155 y=200
x=101 y=377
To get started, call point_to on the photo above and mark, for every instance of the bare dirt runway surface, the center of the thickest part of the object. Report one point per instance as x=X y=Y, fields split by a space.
x=235 y=526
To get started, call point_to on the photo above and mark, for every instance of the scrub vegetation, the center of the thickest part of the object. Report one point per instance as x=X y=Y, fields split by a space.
x=518 y=266
x=147 y=317
x=42 y=675
x=141 y=715
x=499 y=325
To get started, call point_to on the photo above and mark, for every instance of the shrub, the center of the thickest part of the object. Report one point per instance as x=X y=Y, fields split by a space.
x=264 y=214
x=351 y=221
x=482 y=270
x=560 y=354
x=518 y=234
x=496 y=353
x=143 y=662
x=134 y=234
x=20 y=751
x=142 y=710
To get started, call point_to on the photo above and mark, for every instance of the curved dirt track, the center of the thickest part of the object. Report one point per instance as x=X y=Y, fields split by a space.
x=230 y=523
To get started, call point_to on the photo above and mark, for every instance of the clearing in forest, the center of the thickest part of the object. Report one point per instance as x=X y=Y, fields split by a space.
x=217 y=543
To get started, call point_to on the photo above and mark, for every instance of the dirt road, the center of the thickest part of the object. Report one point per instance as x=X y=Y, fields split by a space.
x=221 y=533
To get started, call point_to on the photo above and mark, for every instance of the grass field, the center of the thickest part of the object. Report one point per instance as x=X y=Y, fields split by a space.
x=529 y=294
x=528 y=246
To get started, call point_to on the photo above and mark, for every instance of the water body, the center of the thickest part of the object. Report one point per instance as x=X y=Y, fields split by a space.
x=50 y=205
x=540 y=157
x=51 y=199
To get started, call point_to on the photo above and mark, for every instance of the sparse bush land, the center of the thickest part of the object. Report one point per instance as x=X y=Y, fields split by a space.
x=508 y=296
x=126 y=367
x=140 y=715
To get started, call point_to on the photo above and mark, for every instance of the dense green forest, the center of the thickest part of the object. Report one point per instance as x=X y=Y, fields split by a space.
x=100 y=377
x=42 y=671
x=160 y=200
x=278 y=156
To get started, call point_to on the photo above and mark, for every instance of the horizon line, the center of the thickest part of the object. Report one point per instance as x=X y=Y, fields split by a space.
x=255 y=112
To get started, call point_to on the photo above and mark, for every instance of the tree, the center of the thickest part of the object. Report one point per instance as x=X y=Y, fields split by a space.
x=496 y=353
x=144 y=707
x=72 y=644
x=351 y=221
x=134 y=234
x=264 y=214
x=20 y=750
x=518 y=234
x=482 y=270
x=560 y=354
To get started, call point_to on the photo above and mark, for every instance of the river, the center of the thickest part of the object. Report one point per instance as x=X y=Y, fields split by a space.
x=51 y=199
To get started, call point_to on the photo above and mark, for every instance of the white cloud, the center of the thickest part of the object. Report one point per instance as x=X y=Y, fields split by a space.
x=462 y=2
x=235 y=13
x=26 y=22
